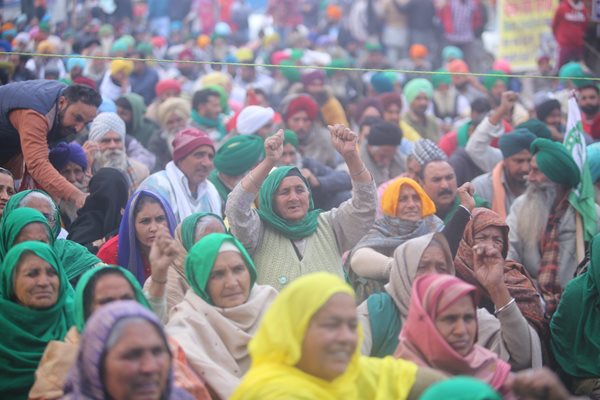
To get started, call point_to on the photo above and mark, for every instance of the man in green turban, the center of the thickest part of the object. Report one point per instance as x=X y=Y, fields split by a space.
x=543 y=223
x=418 y=93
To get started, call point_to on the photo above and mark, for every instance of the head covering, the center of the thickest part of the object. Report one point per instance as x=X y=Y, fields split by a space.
x=382 y=83
x=458 y=66
x=64 y=153
x=13 y=224
x=290 y=137
x=537 y=127
x=441 y=78
x=26 y=331
x=426 y=150
x=311 y=76
x=79 y=311
x=167 y=84
x=277 y=347
x=593 y=158
x=573 y=327
x=387 y=99
x=290 y=71
x=266 y=207
x=418 y=51
x=492 y=77
x=100 y=216
x=421 y=342
x=201 y=258
x=85 y=378
x=302 y=102
x=384 y=133
x=337 y=64
x=223 y=96
x=515 y=142
x=452 y=52
x=117 y=66
x=239 y=154
x=391 y=195
x=15 y=202
x=573 y=71
x=334 y=12
x=129 y=255
x=555 y=162
x=171 y=105
x=190 y=224
x=460 y=388
x=252 y=118
x=188 y=140
x=82 y=80
x=215 y=78
x=417 y=86
x=545 y=108
x=76 y=62
x=106 y=122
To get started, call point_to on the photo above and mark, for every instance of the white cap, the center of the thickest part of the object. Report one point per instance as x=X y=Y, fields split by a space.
x=252 y=118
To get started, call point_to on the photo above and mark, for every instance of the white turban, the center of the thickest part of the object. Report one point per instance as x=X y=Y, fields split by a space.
x=252 y=118
x=106 y=122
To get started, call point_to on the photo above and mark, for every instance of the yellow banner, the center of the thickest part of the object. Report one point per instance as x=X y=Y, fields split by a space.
x=523 y=26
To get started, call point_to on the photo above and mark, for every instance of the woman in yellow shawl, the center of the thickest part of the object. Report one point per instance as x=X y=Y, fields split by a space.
x=307 y=348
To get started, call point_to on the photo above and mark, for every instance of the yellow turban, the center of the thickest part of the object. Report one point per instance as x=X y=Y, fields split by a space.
x=389 y=200
x=45 y=47
x=215 y=78
x=117 y=66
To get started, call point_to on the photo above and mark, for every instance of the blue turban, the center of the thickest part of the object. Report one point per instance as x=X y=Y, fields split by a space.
x=76 y=62
x=63 y=153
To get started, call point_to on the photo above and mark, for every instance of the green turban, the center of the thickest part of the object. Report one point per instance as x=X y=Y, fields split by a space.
x=460 y=388
x=119 y=46
x=201 y=259
x=443 y=78
x=417 y=86
x=290 y=137
x=494 y=76
x=223 y=97
x=555 y=162
x=382 y=82
x=239 y=154
x=144 y=48
x=515 y=142
x=290 y=73
x=337 y=63
x=537 y=127
x=452 y=52
x=574 y=72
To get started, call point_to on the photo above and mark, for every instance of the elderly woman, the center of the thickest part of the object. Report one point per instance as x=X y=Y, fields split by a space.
x=124 y=353
x=218 y=317
x=75 y=258
x=7 y=187
x=145 y=214
x=190 y=231
x=441 y=331
x=383 y=314
x=286 y=237
x=307 y=347
x=35 y=300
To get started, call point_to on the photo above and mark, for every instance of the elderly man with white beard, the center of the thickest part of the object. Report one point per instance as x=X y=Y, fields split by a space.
x=106 y=148
x=543 y=223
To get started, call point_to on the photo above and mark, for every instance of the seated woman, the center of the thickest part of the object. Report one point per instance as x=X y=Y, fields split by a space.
x=218 y=317
x=119 y=335
x=441 y=330
x=7 y=187
x=99 y=218
x=383 y=314
x=96 y=288
x=285 y=236
x=307 y=347
x=35 y=300
x=75 y=258
x=488 y=227
x=190 y=231
x=145 y=213
x=574 y=329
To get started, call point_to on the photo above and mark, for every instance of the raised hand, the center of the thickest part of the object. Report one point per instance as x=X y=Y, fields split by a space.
x=343 y=139
x=162 y=254
x=274 y=147
x=488 y=265
x=465 y=194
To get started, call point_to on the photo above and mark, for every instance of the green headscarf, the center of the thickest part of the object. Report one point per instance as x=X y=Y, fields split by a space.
x=460 y=388
x=575 y=324
x=555 y=162
x=573 y=71
x=417 y=86
x=223 y=97
x=337 y=63
x=189 y=225
x=537 y=127
x=223 y=190
x=26 y=331
x=239 y=154
x=14 y=223
x=492 y=77
x=79 y=301
x=290 y=137
x=15 y=202
x=201 y=258
x=266 y=207
x=443 y=77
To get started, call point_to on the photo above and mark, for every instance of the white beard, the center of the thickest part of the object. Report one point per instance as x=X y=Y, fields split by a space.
x=110 y=159
x=533 y=215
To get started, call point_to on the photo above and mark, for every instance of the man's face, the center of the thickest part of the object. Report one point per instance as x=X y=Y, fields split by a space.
x=439 y=182
x=460 y=81
x=73 y=173
x=175 y=122
x=420 y=104
x=265 y=131
x=382 y=156
x=316 y=87
x=111 y=141
x=517 y=167
x=300 y=123
x=125 y=114
x=497 y=90
x=289 y=155
x=589 y=101
x=211 y=109
x=248 y=74
x=198 y=164
x=392 y=114
x=554 y=119
x=73 y=117
x=138 y=67
x=536 y=177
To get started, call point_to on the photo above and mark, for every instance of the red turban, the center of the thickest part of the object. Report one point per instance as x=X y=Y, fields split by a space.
x=387 y=99
x=82 y=80
x=302 y=103
x=189 y=140
x=167 y=84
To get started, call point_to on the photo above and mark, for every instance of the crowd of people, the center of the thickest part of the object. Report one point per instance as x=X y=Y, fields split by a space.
x=190 y=212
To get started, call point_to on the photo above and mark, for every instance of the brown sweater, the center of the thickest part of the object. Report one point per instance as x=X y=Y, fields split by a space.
x=33 y=130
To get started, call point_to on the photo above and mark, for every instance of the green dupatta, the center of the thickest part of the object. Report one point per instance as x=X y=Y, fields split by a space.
x=188 y=228
x=13 y=224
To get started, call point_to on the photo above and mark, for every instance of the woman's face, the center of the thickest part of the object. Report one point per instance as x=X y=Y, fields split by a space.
x=137 y=366
x=331 y=339
x=433 y=260
x=36 y=231
x=109 y=288
x=36 y=282
x=409 y=204
x=458 y=325
x=292 y=199
x=147 y=222
x=229 y=282
x=491 y=235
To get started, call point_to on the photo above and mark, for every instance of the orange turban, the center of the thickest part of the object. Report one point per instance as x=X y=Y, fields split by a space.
x=418 y=51
x=389 y=200
x=458 y=66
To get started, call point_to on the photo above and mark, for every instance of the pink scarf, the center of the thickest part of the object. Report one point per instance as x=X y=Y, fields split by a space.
x=421 y=342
